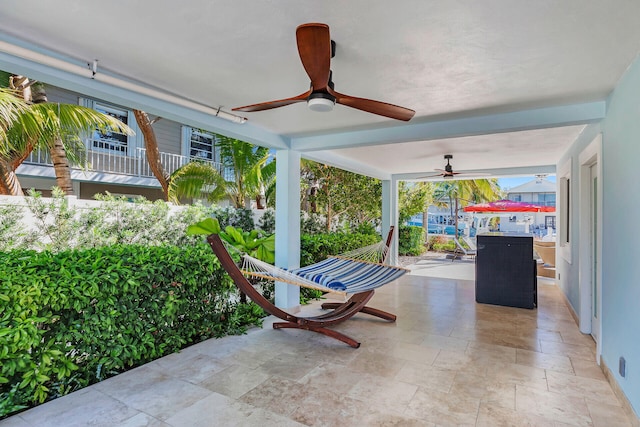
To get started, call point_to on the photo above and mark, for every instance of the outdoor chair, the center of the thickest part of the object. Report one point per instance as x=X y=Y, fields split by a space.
x=460 y=250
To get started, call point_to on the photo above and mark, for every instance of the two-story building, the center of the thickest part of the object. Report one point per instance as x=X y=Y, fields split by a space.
x=116 y=162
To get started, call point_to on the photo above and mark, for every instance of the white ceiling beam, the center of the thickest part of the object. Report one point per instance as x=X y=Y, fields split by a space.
x=338 y=161
x=75 y=76
x=539 y=118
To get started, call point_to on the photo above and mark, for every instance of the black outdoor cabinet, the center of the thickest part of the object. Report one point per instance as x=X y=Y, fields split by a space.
x=506 y=270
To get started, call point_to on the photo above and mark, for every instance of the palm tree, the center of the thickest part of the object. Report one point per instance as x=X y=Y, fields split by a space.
x=252 y=171
x=253 y=176
x=460 y=193
x=51 y=126
x=11 y=107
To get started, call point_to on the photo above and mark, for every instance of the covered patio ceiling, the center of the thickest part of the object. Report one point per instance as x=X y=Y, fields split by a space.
x=504 y=86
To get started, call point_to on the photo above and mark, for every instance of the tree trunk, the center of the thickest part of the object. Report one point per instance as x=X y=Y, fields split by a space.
x=17 y=160
x=259 y=204
x=9 y=184
x=61 y=167
x=329 y=211
x=313 y=206
x=153 y=154
x=456 y=219
x=425 y=221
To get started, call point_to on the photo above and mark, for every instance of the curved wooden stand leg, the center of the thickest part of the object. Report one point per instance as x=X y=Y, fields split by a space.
x=368 y=310
x=324 y=331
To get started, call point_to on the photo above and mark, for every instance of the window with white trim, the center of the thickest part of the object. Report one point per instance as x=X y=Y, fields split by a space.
x=110 y=140
x=202 y=146
x=198 y=144
x=547 y=199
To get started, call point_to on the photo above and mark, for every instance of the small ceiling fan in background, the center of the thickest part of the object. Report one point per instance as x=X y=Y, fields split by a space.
x=447 y=172
x=316 y=49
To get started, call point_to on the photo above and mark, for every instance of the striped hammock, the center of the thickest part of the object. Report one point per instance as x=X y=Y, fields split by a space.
x=352 y=272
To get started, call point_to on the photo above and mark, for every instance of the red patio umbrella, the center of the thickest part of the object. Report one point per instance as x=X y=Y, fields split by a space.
x=508 y=206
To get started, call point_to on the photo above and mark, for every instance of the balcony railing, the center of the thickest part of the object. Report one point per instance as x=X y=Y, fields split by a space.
x=116 y=163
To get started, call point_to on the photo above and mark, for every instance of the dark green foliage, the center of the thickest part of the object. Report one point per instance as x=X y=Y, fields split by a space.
x=411 y=240
x=365 y=228
x=238 y=218
x=317 y=247
x=312 y=223
x=76 y=317
x=267 y=222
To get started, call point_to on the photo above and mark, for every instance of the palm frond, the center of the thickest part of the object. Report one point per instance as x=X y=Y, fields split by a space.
x=196 y=179
x=10 y=109
x=40 y=125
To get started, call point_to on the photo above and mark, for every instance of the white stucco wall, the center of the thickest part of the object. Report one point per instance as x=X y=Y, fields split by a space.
x=621 y=233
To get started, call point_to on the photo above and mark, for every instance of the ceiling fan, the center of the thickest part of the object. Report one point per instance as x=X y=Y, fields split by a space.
x=316 y=49
x=447 y=172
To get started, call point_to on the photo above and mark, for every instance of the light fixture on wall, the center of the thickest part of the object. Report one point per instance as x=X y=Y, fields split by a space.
x=91 y=71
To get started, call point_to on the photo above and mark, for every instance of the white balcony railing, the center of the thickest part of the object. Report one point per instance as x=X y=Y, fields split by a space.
x=116 y=163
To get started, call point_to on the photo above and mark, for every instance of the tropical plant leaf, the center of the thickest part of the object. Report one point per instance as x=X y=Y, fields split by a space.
x=207 y=226
x=235 y=235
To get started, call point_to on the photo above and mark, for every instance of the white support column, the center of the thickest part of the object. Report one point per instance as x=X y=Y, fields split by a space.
x=287 y=224
x=390 y=214
x=386 y=207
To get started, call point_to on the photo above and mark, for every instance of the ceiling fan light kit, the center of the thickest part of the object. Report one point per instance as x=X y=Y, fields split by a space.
x=316 y=49
x=321 y=102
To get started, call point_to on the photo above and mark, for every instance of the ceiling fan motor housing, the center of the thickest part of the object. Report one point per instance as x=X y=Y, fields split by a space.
x=448 y=166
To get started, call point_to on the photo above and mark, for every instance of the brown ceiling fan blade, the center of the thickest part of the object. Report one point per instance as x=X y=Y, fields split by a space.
x=430 y=176
x=375 y=107
x=314 y=47
x=274 y=104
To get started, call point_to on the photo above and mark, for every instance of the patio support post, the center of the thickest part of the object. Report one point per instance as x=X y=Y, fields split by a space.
x=287 y=224
x=390 y=214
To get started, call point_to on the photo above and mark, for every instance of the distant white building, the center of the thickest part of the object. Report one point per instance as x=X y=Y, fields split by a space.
x=539 y=191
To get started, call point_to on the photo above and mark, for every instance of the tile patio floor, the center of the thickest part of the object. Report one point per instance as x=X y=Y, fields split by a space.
x=446 y=361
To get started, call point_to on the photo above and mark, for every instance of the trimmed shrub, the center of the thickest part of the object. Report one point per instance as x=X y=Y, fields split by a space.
x=411 y=239
x=73 y=318
x=317 y=247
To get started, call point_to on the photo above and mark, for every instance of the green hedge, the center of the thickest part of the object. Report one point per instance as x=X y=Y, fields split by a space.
x=411 y=239
x=317 y=247
x=76 y=317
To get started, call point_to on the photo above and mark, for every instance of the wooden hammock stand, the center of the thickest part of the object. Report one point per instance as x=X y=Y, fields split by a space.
x=340 y=311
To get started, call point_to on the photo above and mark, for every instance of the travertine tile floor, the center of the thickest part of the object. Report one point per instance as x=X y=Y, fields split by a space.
x=447 y=361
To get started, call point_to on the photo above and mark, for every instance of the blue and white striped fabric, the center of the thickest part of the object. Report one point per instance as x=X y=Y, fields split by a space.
x=349 y=275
